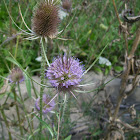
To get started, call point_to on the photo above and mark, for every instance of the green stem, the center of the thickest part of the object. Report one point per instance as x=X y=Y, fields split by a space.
x=25 y=109
x=61 y=115
x=5 y=120
x=64 y=107
x=34 y=89
x=42 y=82
x=15 y=98
x=10 y=26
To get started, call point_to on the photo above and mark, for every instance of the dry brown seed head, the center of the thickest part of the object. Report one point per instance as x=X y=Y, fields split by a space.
x=46 y=20
x=66 y=5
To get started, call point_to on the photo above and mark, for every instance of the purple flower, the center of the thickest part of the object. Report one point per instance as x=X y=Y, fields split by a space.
x=16 y=75
x=47 y=106
x=65 y=73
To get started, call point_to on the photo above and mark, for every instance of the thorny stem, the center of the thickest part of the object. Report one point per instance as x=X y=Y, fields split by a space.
x=61 y=115
x=58 y=125
x=4 y=117
x=32 y=116
x=10 y=25
x=64 y=107
x=15 y=98
x=42 y=82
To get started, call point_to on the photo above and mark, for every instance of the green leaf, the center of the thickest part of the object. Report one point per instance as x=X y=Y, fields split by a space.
x=30 y=136
x=98 y=132
x=118 y=68
x=46 y=125
x=68 y=138
x=97 y=70
x=28 y=84
x=106 y=71
x=115 y=59
x=13 y=61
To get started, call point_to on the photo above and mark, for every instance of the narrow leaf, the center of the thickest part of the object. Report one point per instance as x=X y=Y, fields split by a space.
x=68 y=138
x=46 y=125
x=28 y=85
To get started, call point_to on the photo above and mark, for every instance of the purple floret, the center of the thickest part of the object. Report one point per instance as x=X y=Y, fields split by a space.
x=65 y=72
x=46 y=107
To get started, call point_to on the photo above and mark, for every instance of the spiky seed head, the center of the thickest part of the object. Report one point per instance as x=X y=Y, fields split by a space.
x=45 y=19
x=47 y=105
x=66 y=4
x=65 y=73
x=16 y=75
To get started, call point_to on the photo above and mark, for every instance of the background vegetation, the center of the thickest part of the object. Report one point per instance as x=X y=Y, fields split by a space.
x=93 y=25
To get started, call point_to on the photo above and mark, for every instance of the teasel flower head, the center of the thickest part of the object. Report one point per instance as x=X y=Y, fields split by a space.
x=16 y=75
x=65 y=73
x=46 y=19
x=48 y=105
x=66 y=4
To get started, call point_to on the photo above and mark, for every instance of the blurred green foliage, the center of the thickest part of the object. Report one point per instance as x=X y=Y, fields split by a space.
x=94 y=25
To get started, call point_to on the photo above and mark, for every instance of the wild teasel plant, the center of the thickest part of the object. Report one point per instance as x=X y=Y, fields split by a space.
x=45 y=21
x=65 y=73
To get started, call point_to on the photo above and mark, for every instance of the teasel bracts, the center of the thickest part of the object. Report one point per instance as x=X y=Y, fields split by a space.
x=46 y=19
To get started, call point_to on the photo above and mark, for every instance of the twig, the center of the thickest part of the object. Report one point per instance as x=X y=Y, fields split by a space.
x=129 y=126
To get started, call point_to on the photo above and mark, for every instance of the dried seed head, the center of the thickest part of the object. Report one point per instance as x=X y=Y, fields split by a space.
x=65 y=73
x=66 y=5
x=16 y=75
x=46 y=19
x=47 y=105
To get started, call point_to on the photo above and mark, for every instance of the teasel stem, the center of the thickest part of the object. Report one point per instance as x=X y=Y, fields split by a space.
x=6 y=123
x=17 y=110
x=32 y=116
x=24 y=108
x=10 y=25
x=61 y=115
x=58 y=130
x=64 y=107
x=42 y=82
